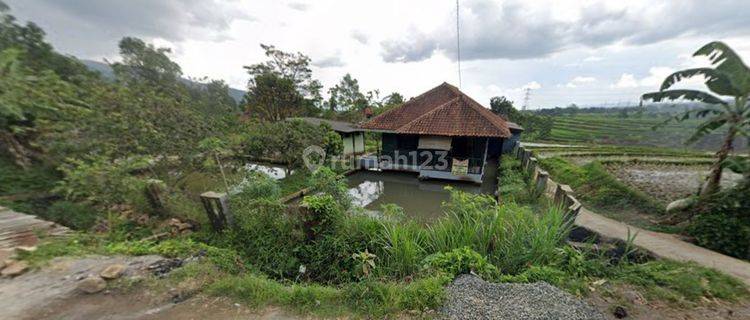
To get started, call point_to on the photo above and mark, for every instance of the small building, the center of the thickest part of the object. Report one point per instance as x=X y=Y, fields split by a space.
x=441 y=134
x=353 y=137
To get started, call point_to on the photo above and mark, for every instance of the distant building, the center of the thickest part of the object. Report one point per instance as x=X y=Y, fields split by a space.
x=442 y=134
x=353 y=137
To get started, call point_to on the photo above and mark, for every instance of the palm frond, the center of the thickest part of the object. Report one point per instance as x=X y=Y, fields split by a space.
x=716 y=80
x=692 y=95
x=707 y=127
x=695 y=114
x=724 y=59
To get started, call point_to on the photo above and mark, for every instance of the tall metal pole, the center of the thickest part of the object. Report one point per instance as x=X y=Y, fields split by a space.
x=458 y=45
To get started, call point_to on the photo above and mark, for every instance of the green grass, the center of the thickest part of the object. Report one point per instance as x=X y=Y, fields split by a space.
x=614 y=130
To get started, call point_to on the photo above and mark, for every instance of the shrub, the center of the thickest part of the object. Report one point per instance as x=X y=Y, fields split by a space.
x=70 y=214
x=461 y=261
x=326 y=181
x=722 y=232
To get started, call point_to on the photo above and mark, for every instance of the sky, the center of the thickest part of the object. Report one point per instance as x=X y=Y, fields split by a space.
x=586 y=52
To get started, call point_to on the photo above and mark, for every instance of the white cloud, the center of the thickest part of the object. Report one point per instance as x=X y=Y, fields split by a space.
x=592 y=59
x=626 y=81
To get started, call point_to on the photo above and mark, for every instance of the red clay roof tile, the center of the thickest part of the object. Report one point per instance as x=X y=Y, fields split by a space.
x=445 y=111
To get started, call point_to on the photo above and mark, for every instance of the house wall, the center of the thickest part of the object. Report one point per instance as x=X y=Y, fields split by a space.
x=348 y=140
x=510 y=142
x=354 y=143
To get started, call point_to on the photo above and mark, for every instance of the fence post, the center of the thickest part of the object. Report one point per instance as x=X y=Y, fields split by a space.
x=562 y=191
x=217 y=209
x=541 y=181
x=531 y=168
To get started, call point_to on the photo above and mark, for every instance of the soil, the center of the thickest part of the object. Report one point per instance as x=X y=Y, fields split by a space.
x=667 y=183
x=608 y=297
x=49 y=293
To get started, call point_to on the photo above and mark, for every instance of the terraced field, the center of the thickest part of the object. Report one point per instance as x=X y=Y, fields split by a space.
x=610 y=129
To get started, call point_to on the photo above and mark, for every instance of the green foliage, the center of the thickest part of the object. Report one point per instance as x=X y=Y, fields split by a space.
x=226 y=260
x=377 y=299
x=535 y=126
x=70 y=214
x=101 y=181
x=596 y=187
x=329 y=182
x=722 y=221
x=461 y=261
x=403 y=247
x=286 y=140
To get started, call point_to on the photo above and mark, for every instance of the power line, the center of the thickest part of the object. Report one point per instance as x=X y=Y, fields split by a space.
x=458 y=45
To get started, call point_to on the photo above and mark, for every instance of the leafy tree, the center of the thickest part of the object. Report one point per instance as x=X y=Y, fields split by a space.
x=393 y=99
x=535 y=126
x=144 y=64
x=30 y=104
x=273 y=98
x=503 y=107
x=728 y=77
x=38 y=54
x=290 y=66
x=346 y=96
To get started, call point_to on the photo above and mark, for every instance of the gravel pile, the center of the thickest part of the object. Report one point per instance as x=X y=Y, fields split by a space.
x=470 y=297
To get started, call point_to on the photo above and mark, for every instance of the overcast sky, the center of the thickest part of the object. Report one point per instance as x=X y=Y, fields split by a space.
x=584 y=52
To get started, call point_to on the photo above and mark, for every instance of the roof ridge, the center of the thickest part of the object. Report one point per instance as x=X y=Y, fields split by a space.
x=427 y=113
x=444 y=84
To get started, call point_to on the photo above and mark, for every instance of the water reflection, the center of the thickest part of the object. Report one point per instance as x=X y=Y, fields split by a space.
x=421 y=200
x=275 y=171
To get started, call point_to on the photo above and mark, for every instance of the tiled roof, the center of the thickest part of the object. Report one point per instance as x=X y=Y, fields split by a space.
x=445 y=111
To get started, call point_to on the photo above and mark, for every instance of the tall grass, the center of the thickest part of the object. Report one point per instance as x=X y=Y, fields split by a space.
x=511 y=236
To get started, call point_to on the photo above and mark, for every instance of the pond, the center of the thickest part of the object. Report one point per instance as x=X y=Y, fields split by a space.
x=421 y=200
x=275 y=171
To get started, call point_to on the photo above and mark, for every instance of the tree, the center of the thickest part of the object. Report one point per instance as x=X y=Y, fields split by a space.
x=346 y=96
x=291 y=66
x=31 y=103
x=503 y=107
x=145 y=64
x=728 y=77
x=273 y=98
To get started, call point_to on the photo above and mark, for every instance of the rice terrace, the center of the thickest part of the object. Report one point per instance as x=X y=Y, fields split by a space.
x=478 y=159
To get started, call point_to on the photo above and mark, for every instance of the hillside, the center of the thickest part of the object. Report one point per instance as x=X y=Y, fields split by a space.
x=105 y=70
x=633 y=130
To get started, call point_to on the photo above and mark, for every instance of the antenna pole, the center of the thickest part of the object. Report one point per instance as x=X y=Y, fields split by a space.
x=458 y=45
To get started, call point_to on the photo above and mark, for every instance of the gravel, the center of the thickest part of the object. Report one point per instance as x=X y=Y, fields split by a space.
x=470 y=297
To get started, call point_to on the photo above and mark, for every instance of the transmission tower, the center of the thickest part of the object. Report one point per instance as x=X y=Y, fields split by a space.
x=526 y=99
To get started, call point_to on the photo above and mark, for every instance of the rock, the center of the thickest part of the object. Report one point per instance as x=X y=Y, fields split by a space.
x=113 y=271
x=92 y=285
x=162 y=267
x=2 y=264
x=679 y=205
x=14 y=268
x=620 y=312
x=25 y=249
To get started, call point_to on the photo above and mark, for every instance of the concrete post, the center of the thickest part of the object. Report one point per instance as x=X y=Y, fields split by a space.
x=217 y=209
x=562 y=191
x=541 y=181
x=531 y=168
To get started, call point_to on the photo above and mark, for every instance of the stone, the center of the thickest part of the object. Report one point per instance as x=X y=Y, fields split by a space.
x=620 y=312
x=679 y=205
x=25 y=249
x=113 y=271
x=14 y=268
x=92 y=285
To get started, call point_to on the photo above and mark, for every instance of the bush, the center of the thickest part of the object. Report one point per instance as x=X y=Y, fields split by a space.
x=327 y=181
x=461 y=261
x=70 y=214
x=723 y=221
x=722 y=232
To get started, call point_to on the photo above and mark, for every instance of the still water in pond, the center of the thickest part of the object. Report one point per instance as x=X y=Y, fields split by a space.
x=421 y=200
x=275 y=171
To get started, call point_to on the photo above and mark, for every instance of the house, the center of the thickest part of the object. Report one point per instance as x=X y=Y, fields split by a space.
x=353 y=137
x=441 y=134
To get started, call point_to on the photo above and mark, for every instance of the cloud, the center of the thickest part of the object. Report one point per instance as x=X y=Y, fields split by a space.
x=653 y=80
x=519 y=29
x=93 y=27
x=579 y=80
x=329 y=62
x=626 y=80
x=592 y=59
x=299 y=6
x=360 y=36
